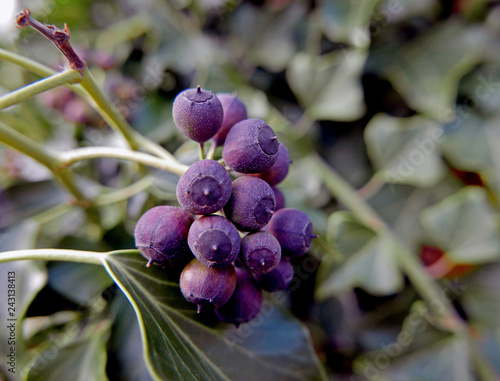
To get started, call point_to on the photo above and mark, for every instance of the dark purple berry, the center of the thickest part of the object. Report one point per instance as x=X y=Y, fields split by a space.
x=280 y=198
x=198 y=114
x=204 y=285
x=293 y=229
x=251 y=205
x=214 y=240
x=250 y=147
x=161 y=235
x=234 y=112
x=244 y=304
x=279 y=170
x=204 y=188
x=277 y=279
x=260 y=252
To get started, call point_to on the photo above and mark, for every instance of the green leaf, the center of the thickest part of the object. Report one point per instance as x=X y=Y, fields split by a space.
x=466 y=143
x=347 y=21
x=179 y=347
x=370 y=261
x=126 y=343
x=481 y=296
x=268 y=34
x=25 y=200
x=329 y=86
x=28 y=278
x=405 y=150
x=398 y=205
x=90 y=279
x=80 y=360
x=448 y=359
x=426 y=71
x=464 y=226
x=394 y=12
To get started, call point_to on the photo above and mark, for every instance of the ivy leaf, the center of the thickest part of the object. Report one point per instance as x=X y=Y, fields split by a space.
x=370 y=261
x=347 y=21
x=28 y=199
x=481 y=296
x=329 y=87
x=398 y=204
x=27 y=279
x=426 y=71
x=464 y=226
x=448 y=359
x=80 y=360
x=466 y=142
x=405 y=150
x=179 y=347
x=90 y=280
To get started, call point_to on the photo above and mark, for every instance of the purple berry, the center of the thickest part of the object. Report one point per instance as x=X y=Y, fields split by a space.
x=260 y=252
x=279 y=170
x=250 y=147
x=234 y=112
x=214 y=240
x=277 y=279
x=280 y=198
x=198 y=114
x=244 y=304
x=251 y=205
x=161 y=235
x=293 y=229
x=204 y=285
x=204 y=188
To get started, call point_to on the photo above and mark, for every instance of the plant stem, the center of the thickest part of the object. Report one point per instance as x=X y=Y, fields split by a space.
x=54 y=255
x=120 y=153
x=111 y=113
x=103 y=106
x=27 y=63
x=14 y=139
x=124 y=193
x=26 y=92
x=154 y=148
x=422 y=282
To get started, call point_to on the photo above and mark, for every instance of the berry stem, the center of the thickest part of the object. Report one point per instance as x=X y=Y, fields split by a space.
x=423 y=283
x=211 y=150
x=202 y=149
x=26 y=92
x=85 y=153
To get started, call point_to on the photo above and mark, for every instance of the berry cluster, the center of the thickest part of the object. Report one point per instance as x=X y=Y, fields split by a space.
x=247 y=246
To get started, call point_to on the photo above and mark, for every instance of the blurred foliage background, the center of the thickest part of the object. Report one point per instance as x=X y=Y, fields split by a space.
x=399 y=97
